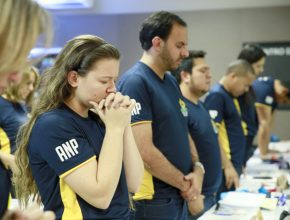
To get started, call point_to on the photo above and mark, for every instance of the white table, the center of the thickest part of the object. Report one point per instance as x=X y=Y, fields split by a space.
x=255 y=167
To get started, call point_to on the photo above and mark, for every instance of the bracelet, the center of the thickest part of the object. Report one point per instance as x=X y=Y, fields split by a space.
x=200 y=165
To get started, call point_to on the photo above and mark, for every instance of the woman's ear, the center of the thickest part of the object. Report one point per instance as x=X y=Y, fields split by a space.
x=72 y=78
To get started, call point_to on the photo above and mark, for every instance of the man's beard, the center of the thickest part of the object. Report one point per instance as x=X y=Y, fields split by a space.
x=168 y=62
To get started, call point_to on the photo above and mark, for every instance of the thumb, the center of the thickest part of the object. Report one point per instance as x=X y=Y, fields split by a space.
x=96 y=108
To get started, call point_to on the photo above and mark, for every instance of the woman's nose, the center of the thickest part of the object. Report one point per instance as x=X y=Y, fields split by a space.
x=112 y=88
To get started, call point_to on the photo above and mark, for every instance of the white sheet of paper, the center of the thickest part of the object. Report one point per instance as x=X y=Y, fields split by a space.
x=243 y=199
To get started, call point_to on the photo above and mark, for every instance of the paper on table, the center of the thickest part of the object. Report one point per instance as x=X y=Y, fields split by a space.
x=269 y=203
x=243 y=199
x=282 y=146
x=259 y=168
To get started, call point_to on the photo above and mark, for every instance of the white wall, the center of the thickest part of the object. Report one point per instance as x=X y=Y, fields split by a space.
x=220 y=33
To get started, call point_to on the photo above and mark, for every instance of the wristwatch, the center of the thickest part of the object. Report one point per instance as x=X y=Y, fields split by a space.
x=200 y=165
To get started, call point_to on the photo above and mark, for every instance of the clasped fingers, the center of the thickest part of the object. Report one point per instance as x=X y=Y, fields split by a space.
x=116 y=100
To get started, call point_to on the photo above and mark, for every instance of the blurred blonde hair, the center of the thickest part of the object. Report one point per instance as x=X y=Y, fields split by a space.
x=21 y=24
x=13 y=92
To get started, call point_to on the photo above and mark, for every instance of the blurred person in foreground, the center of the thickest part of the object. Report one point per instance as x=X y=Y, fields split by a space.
x=21 y=24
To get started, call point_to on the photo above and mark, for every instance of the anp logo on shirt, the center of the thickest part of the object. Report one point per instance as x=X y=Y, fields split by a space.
x=67 y=150
x=136 y=110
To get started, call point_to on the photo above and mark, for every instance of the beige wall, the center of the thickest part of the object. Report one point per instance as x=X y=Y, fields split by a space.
x=219 y=32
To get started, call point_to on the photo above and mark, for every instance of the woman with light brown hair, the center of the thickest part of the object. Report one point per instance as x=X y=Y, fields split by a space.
x=77 y=150
x=24 y=92
x=15 y=103
x=14 y=113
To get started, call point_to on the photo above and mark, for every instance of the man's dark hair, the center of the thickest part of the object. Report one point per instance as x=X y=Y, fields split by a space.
x=188 y=63
x=252 y=53
x=158 y=24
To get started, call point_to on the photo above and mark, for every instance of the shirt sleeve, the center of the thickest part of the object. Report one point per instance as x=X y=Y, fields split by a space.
x=137 y=88
x=264 y=92
x=60 y=144
x=214 y=103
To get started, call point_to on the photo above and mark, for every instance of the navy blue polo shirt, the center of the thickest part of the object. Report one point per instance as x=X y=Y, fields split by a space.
x=159 y=102
x=204 y=134
x=224 y=110
x=265 y=91
x=60 y=141
x=12 y=116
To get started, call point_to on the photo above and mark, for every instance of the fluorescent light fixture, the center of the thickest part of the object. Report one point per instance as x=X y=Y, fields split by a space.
x=39 y=52
x=66 y=4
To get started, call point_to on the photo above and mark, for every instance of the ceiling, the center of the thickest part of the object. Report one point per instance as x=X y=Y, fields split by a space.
x=147 y=6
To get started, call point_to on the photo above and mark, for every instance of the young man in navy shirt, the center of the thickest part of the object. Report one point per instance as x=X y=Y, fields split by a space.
x=224 y=109
x=194 y=80
x=159 y=122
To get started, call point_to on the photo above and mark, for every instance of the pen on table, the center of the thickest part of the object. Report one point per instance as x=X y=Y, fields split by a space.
x=217 y=206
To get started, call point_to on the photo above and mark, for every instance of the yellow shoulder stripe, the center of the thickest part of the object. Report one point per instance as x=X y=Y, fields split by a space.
x=73 y=169
x=140 y=122
x=257 y=104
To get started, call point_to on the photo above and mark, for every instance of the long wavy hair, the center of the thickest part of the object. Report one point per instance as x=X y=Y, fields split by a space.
x=80 y=54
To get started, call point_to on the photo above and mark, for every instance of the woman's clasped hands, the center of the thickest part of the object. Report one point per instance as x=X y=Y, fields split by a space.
x=115 y=110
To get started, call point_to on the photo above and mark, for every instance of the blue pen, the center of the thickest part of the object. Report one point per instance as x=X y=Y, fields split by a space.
x=282 y=200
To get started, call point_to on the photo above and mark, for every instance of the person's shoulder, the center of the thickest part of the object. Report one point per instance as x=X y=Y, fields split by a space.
x=53 y=118
x=216 y=98
x=217 y=90
x=136 y=72
x=136 y=77
x=263 y=83
x=8 y=109
x=264 y=80
x=4 y=103
x=138 y=69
